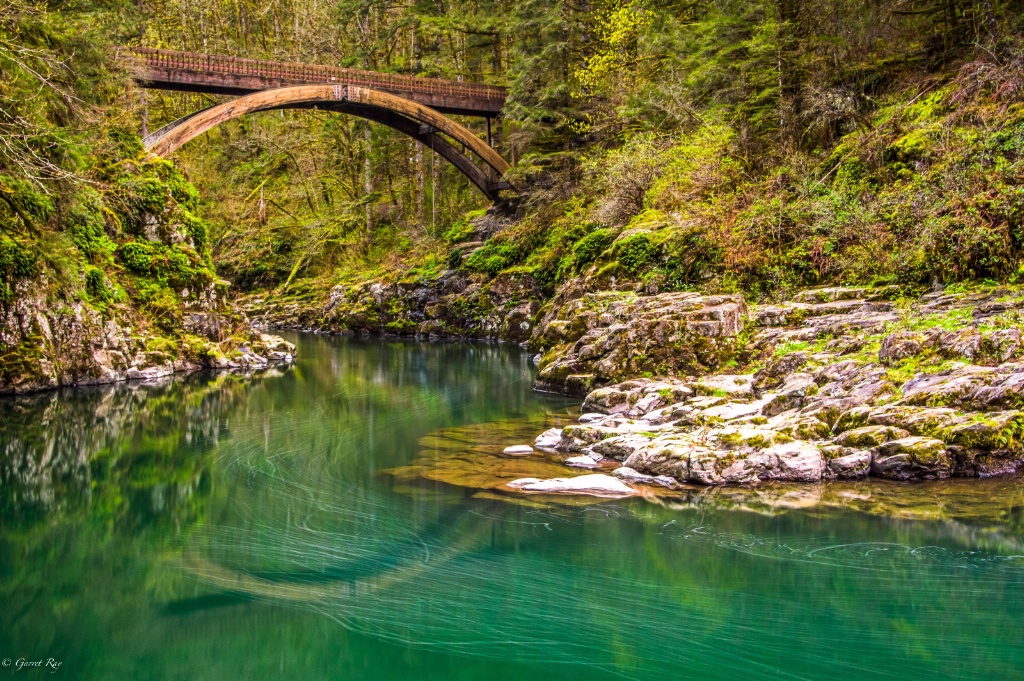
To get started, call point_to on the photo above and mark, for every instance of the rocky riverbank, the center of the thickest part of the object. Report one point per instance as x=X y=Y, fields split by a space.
x=839 y=383
x=48 y=343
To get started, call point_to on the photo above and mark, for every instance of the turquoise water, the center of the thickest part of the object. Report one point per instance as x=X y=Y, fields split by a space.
x=335 y=521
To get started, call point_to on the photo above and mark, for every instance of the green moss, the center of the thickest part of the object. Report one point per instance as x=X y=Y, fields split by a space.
x=198 y=232
x=759 y=442
x=462 y=228
x=587 y=249
x=16 y=263
x=27 y=200
x=159 y=344
x=636 y=253
x=96 y=285
x=730 y=439
x=86 y=225
x=137 y=256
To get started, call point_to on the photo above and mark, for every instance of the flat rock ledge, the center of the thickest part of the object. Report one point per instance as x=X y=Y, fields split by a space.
x=602 y=337
x=598 y=485
x=851 y=388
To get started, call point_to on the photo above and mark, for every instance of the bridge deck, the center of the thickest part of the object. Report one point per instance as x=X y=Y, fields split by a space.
x=197 y=72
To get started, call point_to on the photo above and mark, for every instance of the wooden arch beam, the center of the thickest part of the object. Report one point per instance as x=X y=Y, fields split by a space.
x=408 y=117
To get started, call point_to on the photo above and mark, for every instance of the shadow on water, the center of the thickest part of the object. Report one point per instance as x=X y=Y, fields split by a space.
x=344 y=519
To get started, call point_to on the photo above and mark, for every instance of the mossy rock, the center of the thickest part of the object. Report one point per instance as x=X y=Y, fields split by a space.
x=870 y=436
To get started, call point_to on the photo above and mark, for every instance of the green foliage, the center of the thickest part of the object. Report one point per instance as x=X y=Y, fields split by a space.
x=587 y=249
x=87 y=228
x=137 y=256
x=198 y=231
x=462 y=228
x=96 y=285
x=16 y=263
x=26 y=201
x=636 y=252
x=506 y=249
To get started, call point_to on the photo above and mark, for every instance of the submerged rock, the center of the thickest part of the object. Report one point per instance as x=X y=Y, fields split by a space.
x=518 y=450
x=596 y=484
x=584 y=461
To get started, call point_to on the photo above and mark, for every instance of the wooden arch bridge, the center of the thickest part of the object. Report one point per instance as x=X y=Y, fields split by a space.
x=411 y=105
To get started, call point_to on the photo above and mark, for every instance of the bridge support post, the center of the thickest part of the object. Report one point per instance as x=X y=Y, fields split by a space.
x=144 y=113
x=512 y=142
x=490 y=143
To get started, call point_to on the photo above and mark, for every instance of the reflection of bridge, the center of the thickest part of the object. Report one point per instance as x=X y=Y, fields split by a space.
x=408 y=104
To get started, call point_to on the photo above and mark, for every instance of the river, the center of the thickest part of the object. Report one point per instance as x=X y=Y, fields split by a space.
x=338 y=520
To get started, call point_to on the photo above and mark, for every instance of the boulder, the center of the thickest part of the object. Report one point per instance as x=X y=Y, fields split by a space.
x=869 y=436
x=727 y=385
x=962 y=343
x=791 y=395
x=950 y=388
x=666 y=481
x=620 y=447
x=900 y=345
x=777 y=370
x=1001 y=345
x=846 y=463
x=663 y=458
x=794 y=462
x=733 y=410
x=575 y=438
x=926 y=421
x=549 y=439
x=645 y=404
x=679 y=332
x=911 y=458
x=799 y=426
x=978 y=463
x=1005 y=391
x=584 y=461
x=607 y=401
x=627 y=474
x=790 y=462
x=985 y=431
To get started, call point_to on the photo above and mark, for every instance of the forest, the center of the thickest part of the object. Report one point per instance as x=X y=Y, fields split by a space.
x=721 y=146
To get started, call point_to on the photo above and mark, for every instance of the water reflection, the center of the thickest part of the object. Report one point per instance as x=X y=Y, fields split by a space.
x=124 y=449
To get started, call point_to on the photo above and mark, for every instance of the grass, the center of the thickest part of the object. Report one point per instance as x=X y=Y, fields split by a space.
x=791 y=347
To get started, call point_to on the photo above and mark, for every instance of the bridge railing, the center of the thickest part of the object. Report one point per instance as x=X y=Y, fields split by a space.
x=309 y=73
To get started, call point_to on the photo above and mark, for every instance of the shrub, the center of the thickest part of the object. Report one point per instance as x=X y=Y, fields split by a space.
x=96 y=285
x=587 y=249
x=636 y=253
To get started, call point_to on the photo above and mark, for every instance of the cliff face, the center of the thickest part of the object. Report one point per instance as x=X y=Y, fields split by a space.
x=48 y=340
x=113 y=279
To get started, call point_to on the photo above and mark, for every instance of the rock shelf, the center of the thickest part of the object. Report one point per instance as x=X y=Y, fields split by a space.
x=850 y=385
